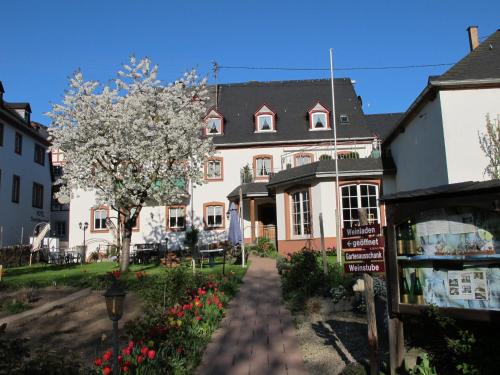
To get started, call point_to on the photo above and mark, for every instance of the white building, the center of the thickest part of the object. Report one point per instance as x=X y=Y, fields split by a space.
x=25 y=179
x=436 y=141
x=275 y=140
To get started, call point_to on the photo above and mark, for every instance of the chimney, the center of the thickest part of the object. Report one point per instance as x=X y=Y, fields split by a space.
x=473 y=37
x=2 y=91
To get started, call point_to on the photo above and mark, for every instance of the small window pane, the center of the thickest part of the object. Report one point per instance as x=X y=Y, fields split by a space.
x=265 y=123
x=319 y=120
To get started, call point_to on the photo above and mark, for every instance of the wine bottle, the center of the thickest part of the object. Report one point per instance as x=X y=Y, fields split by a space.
x=418 y=292
x=400 y=243
x=403 y=288
x=412 y=244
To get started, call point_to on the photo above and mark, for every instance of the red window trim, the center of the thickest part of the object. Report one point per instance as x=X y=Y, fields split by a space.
x=205 y=175
x=209 y=116
x=205 y=216
x=325 y=110
x=167 y=215
x=92 y=210
x=262 y=156
x=258 y=113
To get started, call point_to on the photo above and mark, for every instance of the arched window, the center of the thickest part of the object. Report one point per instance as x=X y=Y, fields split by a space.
x=359 y=196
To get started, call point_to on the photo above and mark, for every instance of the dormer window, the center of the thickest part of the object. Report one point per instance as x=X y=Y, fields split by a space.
x=319 y=117
x=265 y=120
x=214 y=123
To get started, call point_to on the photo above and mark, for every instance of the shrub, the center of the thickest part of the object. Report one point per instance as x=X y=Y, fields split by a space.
x=264 y=248
x=454 y=346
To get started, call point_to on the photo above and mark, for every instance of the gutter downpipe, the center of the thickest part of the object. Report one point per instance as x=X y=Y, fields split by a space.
x=337 y=201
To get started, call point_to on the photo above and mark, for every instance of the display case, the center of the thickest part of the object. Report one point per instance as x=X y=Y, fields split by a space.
x=443 y=249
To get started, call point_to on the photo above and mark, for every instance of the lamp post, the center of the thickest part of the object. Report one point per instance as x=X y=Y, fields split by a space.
x=115 y=296
x=83 y=226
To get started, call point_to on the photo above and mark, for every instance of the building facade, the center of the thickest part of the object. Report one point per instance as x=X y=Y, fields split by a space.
x=25 y=177
x=274 y=141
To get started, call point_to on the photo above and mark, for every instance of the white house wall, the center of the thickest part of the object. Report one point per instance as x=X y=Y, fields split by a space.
x=464 y=116
x=153 y=219
x=419 y=151
x=18 y=218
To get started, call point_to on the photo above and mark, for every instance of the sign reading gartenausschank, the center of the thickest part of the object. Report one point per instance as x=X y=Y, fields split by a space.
x=363 y=255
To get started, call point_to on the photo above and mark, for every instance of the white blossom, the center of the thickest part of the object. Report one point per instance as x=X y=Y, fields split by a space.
x=135 y=141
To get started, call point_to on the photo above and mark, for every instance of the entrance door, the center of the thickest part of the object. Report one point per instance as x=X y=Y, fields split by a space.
x=267 y=221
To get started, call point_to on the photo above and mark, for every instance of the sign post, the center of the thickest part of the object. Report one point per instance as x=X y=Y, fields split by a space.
x=364 y=253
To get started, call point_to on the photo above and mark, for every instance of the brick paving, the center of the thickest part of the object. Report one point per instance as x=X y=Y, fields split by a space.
x=257 y=336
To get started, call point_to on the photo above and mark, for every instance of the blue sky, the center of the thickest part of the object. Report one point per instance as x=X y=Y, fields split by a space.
x=45 y=41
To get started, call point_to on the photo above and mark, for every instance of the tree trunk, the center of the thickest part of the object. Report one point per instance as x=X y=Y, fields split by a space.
x=125 y=253
x=128 y=224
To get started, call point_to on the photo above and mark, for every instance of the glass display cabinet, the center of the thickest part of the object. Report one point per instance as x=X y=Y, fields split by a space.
x=443 y=249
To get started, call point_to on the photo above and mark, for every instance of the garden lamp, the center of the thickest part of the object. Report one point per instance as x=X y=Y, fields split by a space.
x=115 y=296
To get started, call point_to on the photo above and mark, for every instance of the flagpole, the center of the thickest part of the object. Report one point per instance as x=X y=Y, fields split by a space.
x=242 y=224
x=337 y=201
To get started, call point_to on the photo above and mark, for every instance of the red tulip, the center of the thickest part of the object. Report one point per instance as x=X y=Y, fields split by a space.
x=144 y=350
x=106 y=356
x=106 y=370
x=98 y=362
x=151 y=354
x=140 y=358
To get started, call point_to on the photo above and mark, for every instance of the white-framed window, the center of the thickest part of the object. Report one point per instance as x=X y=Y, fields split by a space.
x=214 y=169
x=359 y=196
x=302 y=159
x=176 y=217
x=214 y=216
x=319 y=120
x=301 y=213
x=265 y=123
x=100 y=216
x=214 y=126
x=263 y=166
x=344 y=119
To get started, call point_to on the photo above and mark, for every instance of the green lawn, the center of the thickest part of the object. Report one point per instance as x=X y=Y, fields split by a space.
x=86 y=275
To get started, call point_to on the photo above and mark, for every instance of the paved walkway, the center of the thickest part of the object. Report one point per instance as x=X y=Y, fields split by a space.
x=257 y=337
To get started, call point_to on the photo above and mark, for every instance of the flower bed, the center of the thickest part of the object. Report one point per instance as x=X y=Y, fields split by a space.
x=171 y=337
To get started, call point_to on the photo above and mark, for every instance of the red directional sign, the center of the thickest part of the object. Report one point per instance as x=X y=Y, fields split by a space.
x=363 y=243
x=364 y=267
x=361 y=231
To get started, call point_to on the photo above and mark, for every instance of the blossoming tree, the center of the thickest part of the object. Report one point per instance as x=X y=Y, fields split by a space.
x=135 y=141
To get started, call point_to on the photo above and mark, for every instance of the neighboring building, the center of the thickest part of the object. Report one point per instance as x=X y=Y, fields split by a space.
x=436 y=141
x=59 y=212
x=25 y=179
x=275 y=140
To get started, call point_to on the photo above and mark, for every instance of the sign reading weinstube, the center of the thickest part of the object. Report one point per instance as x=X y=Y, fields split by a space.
x=362 y=230
x=364 y=267
x=363 y=243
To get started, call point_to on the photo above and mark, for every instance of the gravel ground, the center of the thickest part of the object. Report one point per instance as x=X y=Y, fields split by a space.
x=330 y=340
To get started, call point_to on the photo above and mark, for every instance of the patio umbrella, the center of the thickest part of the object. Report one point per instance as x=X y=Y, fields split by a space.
x=234 y=235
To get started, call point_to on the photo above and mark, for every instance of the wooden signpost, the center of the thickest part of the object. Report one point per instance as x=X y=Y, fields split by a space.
x=365 y=253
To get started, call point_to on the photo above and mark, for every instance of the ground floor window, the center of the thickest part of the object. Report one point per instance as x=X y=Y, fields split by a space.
x=176 y=217
x=99 y=219
x=214 y=216
x=60 y=229
x=301 y=213
x=359 y=196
